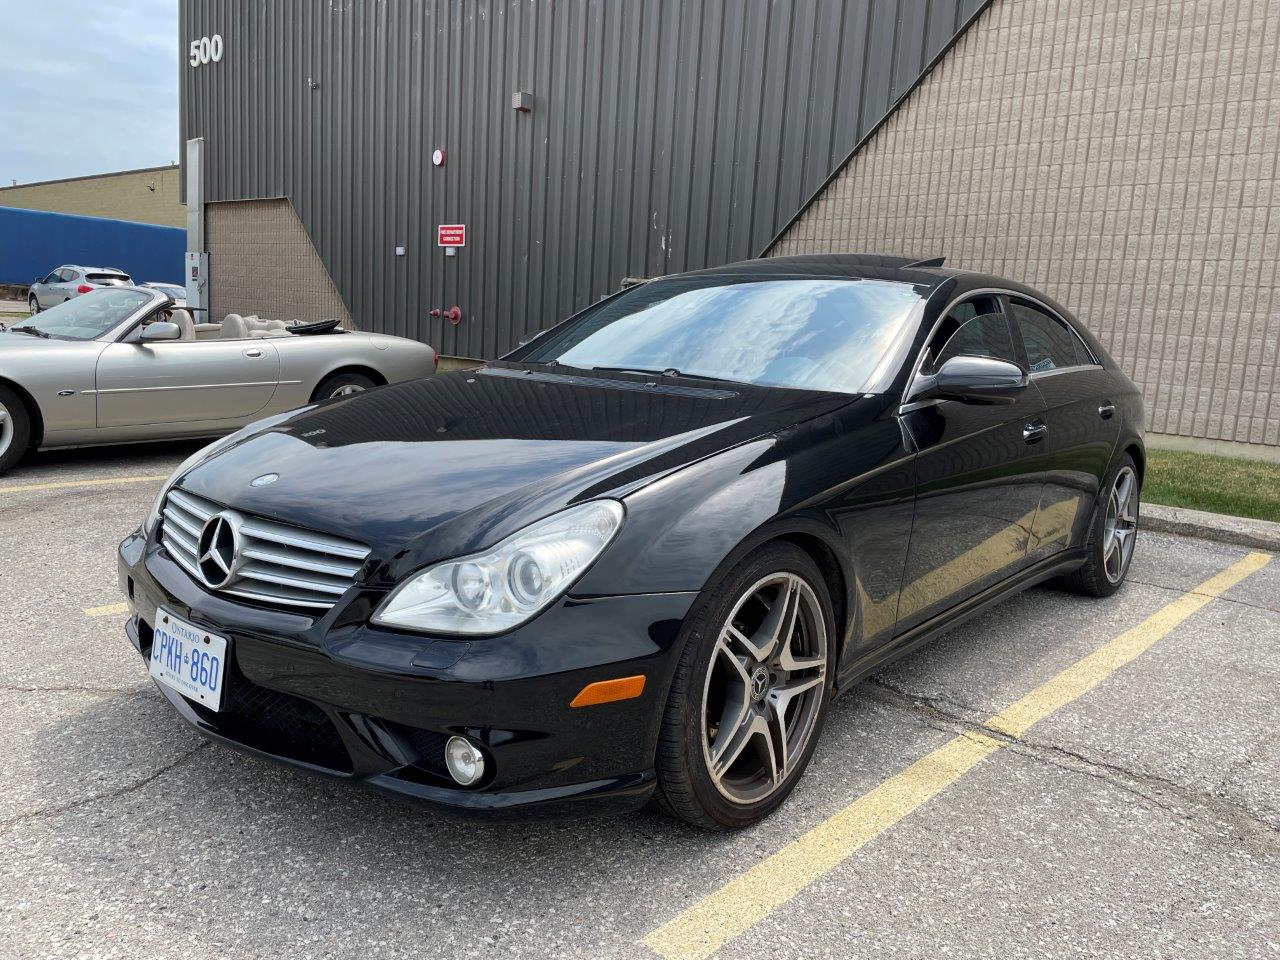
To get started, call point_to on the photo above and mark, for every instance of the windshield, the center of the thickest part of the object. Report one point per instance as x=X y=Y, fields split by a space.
x=814 y=334
x=87 y=316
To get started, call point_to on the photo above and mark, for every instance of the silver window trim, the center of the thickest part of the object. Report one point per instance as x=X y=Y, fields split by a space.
x=1054 y=371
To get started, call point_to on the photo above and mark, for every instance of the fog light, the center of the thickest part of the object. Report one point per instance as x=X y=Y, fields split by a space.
x=464 y=760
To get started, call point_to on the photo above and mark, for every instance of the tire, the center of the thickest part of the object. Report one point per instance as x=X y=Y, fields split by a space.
x=342 y=384
x=15 y=429
x=709 y=694
x=1104 y=571
x=33 y=305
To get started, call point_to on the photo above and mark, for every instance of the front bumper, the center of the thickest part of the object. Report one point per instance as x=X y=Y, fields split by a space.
x=342 y=698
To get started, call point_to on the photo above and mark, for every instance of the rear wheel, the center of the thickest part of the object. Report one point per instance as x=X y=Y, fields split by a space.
x=750 y=693
x=342 y=385
x=15 y=429
x=33 y=304
x=1112 y=535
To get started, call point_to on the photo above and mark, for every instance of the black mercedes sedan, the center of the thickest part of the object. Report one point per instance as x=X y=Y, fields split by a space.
x=636 y=558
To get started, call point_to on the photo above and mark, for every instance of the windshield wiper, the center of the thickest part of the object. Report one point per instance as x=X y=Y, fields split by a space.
x=668 y=372
x=31 y=330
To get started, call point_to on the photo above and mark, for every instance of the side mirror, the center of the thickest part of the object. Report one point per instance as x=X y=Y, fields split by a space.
x=160 y=330
x=972 y=380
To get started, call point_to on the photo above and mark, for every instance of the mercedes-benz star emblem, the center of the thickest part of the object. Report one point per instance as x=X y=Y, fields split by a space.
x=759 y=683
x=218 y=552
x=263 y=480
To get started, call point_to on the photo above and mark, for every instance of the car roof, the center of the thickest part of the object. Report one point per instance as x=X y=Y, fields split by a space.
x=873 y=266
x=80 y=266
x=853 y=266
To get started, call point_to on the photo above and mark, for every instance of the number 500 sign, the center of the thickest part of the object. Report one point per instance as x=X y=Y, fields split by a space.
x=205 y=50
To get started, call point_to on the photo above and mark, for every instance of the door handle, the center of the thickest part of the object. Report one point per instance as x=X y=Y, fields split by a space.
x=253 y=352
x=1106 y=411
x=1035 y=432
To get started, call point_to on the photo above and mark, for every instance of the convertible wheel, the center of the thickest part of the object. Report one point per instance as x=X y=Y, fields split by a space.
x=1112 y=534
x=15 y=429
x=342 y=385
x=33 y=305
x=750 y=692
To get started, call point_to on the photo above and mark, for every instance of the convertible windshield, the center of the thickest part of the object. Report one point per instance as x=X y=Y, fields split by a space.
x=813 y=334
x=87 y=316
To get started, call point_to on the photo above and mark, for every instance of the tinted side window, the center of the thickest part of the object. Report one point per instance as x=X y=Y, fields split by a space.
x=1050 y=345
x=975 y=328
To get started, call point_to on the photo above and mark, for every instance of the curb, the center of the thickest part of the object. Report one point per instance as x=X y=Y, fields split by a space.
x=1258 y=534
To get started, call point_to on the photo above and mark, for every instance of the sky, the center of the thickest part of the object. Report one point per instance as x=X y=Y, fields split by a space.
x=87 y=87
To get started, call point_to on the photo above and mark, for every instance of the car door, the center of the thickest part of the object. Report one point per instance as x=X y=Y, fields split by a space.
x=56 y=291
x=44 y=291
x=1082 y=424
x=184 y=381
x=978 y=475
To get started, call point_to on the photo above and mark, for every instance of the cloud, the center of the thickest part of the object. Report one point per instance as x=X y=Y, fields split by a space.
x=87 y=87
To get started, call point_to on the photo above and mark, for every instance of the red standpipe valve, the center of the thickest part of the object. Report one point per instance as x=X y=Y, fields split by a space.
x=453 y=314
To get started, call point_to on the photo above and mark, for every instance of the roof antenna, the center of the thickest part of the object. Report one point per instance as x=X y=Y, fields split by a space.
x=932 y=262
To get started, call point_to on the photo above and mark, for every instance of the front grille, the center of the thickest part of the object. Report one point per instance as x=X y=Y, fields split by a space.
x=277 y=564
x=428 y=745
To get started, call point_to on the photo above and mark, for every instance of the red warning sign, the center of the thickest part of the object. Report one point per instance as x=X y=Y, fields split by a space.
x=451 y=235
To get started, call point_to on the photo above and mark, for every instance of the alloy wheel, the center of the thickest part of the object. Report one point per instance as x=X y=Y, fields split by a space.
x=6 y=430
x=33 y=305
x=764 y=688
x=346 y=390
x=1121 y=526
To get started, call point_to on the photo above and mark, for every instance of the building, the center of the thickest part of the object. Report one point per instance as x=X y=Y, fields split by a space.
x=1122 y=156
x=149 y=195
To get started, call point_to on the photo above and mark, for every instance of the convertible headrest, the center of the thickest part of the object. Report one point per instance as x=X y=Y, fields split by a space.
x=234 y=327
x=186 y=326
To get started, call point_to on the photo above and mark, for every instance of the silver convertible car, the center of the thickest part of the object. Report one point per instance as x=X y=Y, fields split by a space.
x=129 y=364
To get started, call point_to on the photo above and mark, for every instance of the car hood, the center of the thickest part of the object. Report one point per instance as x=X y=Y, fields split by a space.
x=447 y=465
x=23 y=341
x=24 y=345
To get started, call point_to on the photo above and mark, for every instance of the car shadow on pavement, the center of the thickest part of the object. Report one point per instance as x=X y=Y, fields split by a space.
x=145 y=456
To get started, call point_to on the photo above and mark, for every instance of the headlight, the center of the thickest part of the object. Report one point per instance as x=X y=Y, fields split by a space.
x=510 y=583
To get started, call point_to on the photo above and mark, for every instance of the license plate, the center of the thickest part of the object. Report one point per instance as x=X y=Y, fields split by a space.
x=188 y=659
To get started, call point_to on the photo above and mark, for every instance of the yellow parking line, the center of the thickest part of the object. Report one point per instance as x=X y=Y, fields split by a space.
x=71 y=484
x=736 y=907
x=106 y=611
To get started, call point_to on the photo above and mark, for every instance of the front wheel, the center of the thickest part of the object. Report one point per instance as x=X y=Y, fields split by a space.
x=750 y=693
x=33 y=305
x=15 y=429
x=1112 y=535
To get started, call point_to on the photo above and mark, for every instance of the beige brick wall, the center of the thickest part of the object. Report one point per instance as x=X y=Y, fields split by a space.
x=262 y=261
x=146 y=196
x=1121 y=156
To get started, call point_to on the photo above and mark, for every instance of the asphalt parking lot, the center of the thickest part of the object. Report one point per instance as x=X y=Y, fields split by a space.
x=1061 y=777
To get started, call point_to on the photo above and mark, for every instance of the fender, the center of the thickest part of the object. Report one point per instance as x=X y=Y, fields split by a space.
x=685 y=531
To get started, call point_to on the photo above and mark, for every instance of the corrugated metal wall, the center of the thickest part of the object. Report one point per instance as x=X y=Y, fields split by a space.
x=665 y=135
